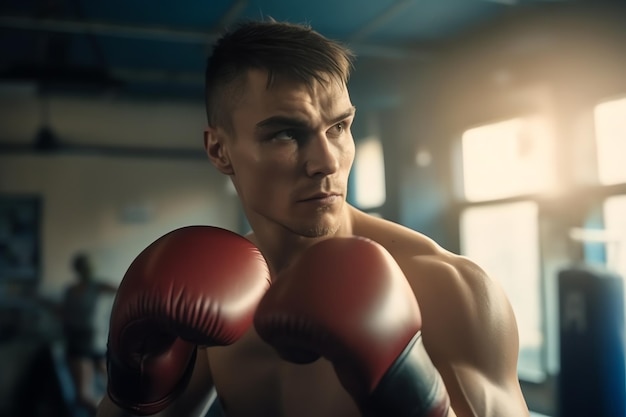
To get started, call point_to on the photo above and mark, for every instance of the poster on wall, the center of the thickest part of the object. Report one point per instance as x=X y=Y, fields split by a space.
x=19 y=239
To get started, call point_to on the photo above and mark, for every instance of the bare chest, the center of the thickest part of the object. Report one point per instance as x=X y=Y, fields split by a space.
x=251 y=380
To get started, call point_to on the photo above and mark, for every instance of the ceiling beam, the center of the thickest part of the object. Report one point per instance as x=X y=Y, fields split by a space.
x=169 y=34
x=158 y=76
x=154 y=33
x=8 y=148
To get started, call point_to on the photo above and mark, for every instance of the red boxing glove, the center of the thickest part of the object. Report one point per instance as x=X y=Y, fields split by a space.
x=197 y=285
x=346 y=299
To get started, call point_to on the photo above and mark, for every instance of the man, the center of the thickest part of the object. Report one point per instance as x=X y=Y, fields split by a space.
x=363 y=316
x=82 y=328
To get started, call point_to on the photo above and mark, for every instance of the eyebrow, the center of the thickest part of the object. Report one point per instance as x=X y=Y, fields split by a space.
x=298 y=122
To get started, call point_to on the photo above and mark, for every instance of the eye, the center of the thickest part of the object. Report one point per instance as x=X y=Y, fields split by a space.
x=338 y=129
x=285 y=135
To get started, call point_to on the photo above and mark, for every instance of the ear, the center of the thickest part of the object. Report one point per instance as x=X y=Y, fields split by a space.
x=217 y=151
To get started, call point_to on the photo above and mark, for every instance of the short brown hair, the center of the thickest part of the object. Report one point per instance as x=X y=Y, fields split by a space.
x=282 y=49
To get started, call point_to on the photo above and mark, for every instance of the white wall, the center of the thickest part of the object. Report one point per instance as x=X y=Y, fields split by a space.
x=101 y=120
x=112 y=207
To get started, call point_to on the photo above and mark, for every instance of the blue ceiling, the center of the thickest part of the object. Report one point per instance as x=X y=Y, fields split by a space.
x=160 y=47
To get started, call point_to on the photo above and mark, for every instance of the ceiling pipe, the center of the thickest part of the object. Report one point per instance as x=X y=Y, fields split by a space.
x=232 y=14
x=380 y=20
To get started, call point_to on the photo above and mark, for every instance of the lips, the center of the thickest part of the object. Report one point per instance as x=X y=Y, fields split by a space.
x=322 y=197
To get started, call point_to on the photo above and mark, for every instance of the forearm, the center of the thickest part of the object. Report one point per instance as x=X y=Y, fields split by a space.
x=473 y=394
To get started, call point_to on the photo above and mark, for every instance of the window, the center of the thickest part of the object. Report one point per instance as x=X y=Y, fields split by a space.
x=610 y=131
x=610 y=124
x=503 y=240
x=369 y=174
x=509 y=158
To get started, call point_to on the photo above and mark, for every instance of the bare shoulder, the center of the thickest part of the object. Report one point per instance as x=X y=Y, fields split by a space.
x=461 y=304
x=467 y=318
x=470 y=333
x=452 y=289
x=468 y=325
x=459 y=301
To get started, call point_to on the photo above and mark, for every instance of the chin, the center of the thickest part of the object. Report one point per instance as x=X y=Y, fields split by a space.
x=319 y=229
x=320 y=224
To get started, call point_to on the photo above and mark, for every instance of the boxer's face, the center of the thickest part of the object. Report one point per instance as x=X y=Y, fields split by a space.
x=290 y=153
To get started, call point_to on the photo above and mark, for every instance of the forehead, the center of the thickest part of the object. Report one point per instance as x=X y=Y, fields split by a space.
x=287 y=96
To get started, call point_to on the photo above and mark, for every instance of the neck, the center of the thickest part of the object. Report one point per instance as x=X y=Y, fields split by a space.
x=280 y=245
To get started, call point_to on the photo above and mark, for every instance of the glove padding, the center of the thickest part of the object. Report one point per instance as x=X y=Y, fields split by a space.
x=197 y=285
x=346 y=299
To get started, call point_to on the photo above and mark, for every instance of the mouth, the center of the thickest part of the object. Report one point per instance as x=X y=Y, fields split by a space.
x=322 y=198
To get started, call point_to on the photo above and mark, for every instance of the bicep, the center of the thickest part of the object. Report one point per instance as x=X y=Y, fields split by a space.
x=473 y=341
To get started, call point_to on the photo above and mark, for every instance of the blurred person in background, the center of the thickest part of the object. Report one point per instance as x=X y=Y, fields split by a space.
x=85 y=311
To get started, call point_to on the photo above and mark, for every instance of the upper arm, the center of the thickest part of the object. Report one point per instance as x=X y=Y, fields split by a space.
x=470 y=332
x=193 y=402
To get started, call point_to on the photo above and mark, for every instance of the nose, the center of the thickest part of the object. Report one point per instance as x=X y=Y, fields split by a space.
x=322 y=157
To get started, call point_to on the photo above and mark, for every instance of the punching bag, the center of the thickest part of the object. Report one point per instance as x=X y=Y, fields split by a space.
x=591 y=315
